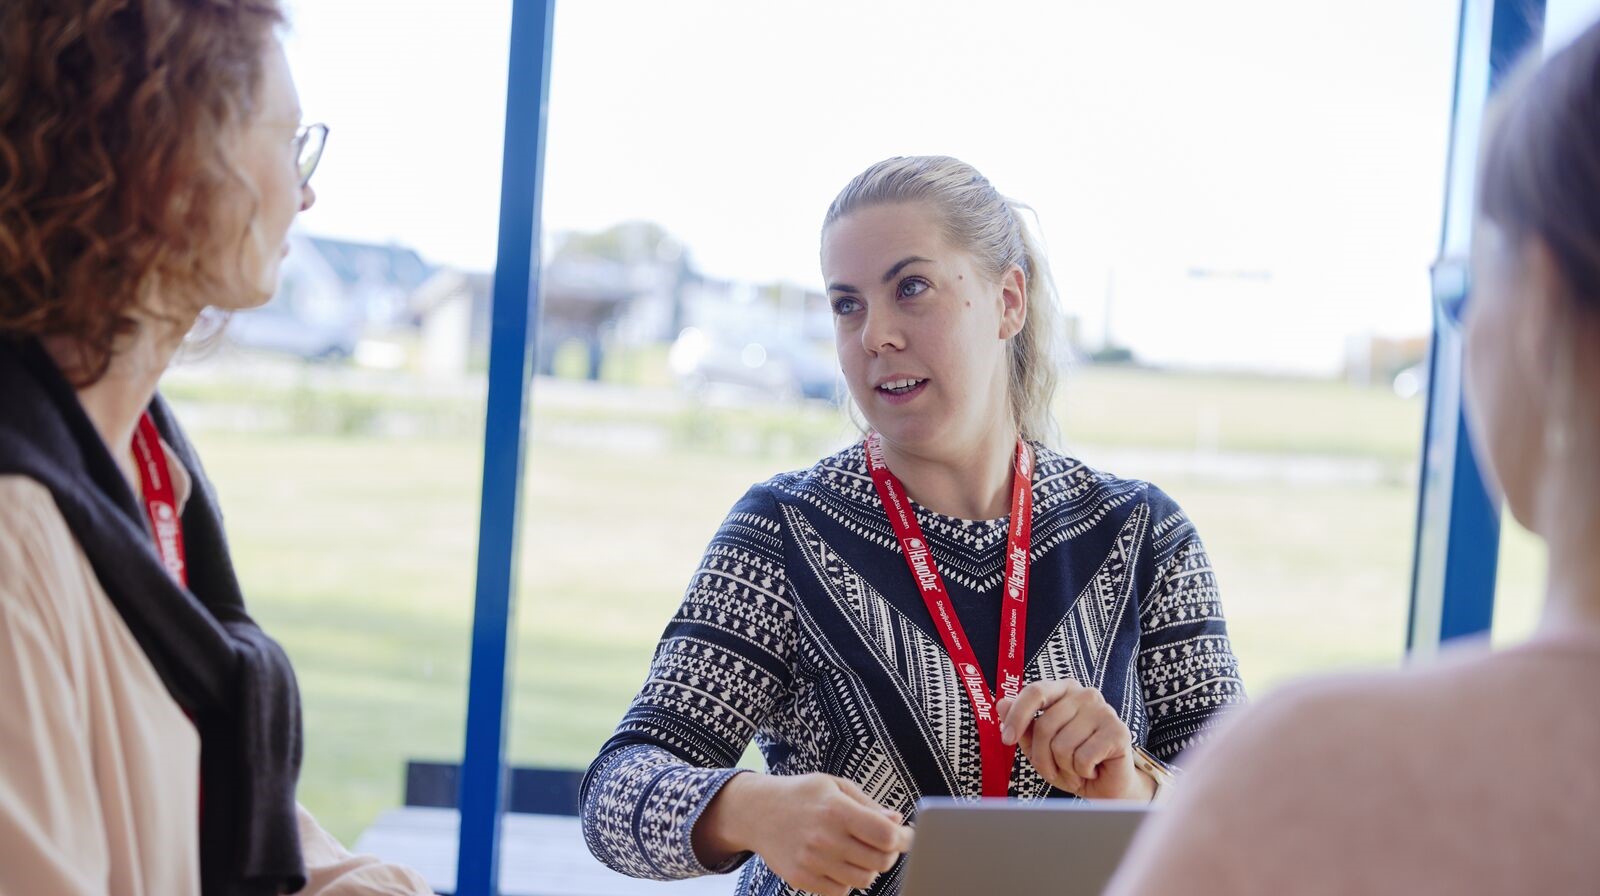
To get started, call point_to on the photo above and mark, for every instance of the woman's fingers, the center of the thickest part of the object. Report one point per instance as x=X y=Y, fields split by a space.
x=1068 y=731
x=877 y=838
x=847 y=881
x=875 y=825
x=1046 y=729
x=853 y=877
x=872 y=828
x=834 y=837
x=825 y=858
x=1064 y=746
x=1109 y=741
x=1020 y=713
x=875 y=860
x=854 y=791
x=851 y=858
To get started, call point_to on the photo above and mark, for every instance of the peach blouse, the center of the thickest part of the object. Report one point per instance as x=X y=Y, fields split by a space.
x=99 y=767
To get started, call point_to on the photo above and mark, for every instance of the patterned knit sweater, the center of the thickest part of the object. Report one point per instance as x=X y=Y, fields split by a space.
x=803 y=630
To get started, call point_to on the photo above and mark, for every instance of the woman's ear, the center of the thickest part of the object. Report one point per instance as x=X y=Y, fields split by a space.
x=1013 y=302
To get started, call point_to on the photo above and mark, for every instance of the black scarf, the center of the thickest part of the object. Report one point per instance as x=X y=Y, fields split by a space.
x=232 y=680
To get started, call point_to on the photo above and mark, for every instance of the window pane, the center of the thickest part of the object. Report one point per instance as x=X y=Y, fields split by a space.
x=342 y=422
x=1240 y=221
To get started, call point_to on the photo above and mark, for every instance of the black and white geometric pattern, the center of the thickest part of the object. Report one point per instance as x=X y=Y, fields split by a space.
x=803 y=631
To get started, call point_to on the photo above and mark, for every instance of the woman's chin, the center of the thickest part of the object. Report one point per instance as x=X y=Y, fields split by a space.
x=909 y=433
x=252 y=292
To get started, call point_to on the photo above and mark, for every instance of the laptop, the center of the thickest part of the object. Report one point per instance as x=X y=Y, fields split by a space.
x=1065 y=847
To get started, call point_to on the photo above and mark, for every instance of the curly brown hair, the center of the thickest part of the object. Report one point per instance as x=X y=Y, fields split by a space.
x=115 y=119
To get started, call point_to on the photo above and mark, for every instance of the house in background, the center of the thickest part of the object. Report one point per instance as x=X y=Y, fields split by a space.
x=380 y=279
x=582 y=300
x=631 y=285
x=450 y=311
x=329 y=293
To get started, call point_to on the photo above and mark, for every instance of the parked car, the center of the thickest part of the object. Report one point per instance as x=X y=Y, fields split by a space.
x=708 y=361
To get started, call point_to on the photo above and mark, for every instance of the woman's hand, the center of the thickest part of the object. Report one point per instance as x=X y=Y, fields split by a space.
x=1075 y=740
x=821 y=834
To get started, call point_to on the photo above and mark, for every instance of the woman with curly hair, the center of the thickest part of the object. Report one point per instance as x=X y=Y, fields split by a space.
x=151 y=161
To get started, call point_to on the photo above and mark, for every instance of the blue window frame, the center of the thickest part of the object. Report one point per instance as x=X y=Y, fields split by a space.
x=1458 y=521
x=513 y=334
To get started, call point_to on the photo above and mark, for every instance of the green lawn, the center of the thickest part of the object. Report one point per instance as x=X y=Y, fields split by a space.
x=1273 y=415
x=358 y=553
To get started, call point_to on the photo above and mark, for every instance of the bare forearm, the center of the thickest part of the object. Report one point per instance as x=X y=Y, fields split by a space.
x=725 y=828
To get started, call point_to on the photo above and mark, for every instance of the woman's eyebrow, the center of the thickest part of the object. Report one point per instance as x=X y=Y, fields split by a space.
x=901 y=265
x=888 y=275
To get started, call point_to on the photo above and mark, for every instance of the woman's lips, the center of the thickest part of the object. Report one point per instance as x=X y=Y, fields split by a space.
x=903 y=396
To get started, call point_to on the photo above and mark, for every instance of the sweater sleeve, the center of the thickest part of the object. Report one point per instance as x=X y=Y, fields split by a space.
x=1186 y=664
x=720 y=668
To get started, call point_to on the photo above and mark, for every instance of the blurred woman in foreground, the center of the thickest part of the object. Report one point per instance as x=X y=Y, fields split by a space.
x=151 y=160
x=1477 y=773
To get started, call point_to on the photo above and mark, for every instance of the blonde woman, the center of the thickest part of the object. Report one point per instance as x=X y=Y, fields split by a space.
x=152 y=158
x=898 y=619
x=1475 y=773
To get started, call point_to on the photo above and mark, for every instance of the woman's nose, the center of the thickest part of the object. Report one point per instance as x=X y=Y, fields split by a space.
x=881 y=332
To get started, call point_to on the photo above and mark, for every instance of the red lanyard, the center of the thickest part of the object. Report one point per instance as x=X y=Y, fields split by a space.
x=996 y=757
x=160 y=497
x=161 y=508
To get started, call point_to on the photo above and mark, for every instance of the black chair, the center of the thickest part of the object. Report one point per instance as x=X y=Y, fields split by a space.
x=539 y=791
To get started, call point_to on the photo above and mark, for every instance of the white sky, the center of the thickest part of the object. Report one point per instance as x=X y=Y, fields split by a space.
x=1304 y=139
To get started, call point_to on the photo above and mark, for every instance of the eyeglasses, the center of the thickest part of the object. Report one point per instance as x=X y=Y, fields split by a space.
x=308 y=144
x=1452 y=285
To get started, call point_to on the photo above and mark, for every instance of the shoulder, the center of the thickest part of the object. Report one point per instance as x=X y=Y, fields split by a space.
x=1320 y=741
x=35 y=543
x=839 y=480
x=23 y=499
x=1406 y=711
x=1239 y=812
x=1060 y=473
x=1309 y=720
x=842 y=472
x=46 y=586
x=754 y=526
x=1088 y=497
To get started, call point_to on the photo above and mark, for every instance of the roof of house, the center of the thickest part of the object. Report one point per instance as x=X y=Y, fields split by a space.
x=369 y=264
